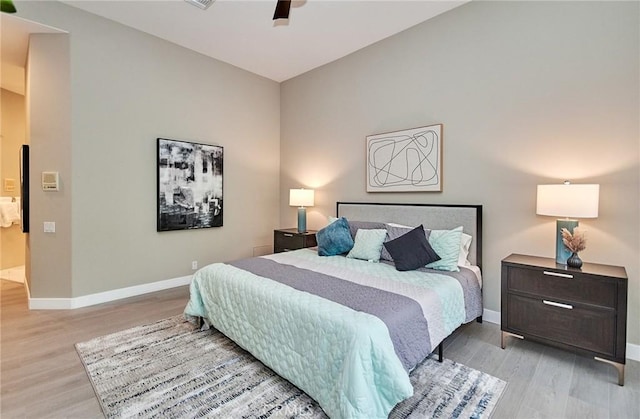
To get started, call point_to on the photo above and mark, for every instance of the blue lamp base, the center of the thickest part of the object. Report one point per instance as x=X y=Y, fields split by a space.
x=562 y=253
x=302 y=220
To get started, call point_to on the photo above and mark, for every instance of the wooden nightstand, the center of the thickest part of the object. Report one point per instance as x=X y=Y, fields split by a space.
x=287 y=239
x=583 y=310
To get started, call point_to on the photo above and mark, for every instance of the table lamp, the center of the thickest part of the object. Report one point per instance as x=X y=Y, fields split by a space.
x=569 y=201
x=301 y=198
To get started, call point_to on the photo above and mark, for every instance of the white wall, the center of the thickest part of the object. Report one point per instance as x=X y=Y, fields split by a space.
x=528 y=92
x=127 y=89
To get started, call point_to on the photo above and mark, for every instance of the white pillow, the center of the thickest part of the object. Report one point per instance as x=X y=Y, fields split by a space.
x=331 y=219
x=368 y=245
x=399 y=225
x=465 y=244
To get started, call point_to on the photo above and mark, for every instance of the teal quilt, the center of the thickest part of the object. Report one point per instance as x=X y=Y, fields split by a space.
x=341 y=357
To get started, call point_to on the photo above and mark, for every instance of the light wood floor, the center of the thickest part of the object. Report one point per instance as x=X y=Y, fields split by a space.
x=41 y=375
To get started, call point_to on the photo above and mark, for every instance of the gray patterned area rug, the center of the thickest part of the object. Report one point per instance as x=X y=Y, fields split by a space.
x=168 y=369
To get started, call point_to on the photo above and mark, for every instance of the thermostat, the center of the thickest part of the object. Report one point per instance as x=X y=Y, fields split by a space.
x=50 y=181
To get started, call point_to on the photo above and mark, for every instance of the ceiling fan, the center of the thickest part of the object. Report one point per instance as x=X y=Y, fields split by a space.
x=282 y=9
x=281 y=12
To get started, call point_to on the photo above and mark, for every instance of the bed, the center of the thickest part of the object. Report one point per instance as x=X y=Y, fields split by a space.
x=343 y=329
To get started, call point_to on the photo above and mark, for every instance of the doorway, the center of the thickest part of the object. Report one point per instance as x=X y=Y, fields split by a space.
x=12 y=137
x=14 y=98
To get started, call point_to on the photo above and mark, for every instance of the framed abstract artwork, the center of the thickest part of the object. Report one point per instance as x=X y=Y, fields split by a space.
x=405 y=161
x=189 y=185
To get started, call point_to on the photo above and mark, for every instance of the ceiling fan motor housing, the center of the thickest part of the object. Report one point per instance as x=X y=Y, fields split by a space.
x=203 y=4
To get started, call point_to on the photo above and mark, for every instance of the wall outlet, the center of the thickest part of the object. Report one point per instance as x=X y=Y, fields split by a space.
x=49 y=227
x=194 y=265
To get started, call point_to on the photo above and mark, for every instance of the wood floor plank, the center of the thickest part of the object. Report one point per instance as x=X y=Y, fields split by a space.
x=591 y=382
x=625 y=400
x=548 y=392
x=468 y=340
x=581 y=409
x=520 y=362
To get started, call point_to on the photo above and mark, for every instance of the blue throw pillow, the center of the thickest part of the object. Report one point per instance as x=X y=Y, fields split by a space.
x=412 y=250
x=334 y=239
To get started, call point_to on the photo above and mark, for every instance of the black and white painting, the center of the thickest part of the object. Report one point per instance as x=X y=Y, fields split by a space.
x=189 y=185
x=405 y=161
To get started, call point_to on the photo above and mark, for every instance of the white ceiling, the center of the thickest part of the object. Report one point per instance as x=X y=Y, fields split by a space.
x=242 y=32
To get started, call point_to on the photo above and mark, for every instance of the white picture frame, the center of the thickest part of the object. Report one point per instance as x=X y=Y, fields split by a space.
x=405 y=161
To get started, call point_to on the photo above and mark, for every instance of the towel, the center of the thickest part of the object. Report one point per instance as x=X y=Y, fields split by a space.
x=9 y=213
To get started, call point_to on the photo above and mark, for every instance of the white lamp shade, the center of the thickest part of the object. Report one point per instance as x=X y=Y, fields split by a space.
x=567 y=200
x=301 y=197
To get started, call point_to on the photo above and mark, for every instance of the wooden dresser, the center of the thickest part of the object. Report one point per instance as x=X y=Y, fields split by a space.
x=583 y=310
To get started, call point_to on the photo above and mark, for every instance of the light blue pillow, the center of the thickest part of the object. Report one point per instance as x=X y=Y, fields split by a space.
x=334 y=239
x=446 y=244
x=368 y=244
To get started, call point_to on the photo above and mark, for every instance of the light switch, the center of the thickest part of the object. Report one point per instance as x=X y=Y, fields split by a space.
x=49 y=227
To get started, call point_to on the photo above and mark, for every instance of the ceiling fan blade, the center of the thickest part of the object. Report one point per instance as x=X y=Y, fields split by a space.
x=282 y=9
x=8 y=7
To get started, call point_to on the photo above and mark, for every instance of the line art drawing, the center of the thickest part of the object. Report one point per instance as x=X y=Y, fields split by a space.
x=405 y=161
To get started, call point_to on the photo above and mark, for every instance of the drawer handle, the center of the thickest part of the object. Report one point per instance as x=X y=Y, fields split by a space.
x=553 y=303
x=558 y=274
x=288 y=235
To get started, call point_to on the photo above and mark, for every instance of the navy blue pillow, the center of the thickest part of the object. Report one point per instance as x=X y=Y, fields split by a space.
x=334 y=239
x=412 y=250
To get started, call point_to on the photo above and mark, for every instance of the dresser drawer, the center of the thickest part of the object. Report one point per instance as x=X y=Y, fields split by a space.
x=288 y=241
x=590 y=329
x=566 y=286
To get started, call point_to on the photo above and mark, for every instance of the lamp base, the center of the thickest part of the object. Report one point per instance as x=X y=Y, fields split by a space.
x=562 y=253
x=302 y=220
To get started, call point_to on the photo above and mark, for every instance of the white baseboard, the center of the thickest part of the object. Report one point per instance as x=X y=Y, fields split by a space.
x=491 y=316
x=633 y=350
x=105 y=297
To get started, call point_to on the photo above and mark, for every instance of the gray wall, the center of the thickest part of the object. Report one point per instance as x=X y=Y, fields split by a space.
x=528 y=93
x=127 y=89
x=49 y=117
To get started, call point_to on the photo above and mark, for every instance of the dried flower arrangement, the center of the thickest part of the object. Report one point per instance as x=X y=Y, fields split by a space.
x=575 y=242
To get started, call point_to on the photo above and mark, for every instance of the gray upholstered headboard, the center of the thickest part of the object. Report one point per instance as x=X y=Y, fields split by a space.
x=432 y=216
